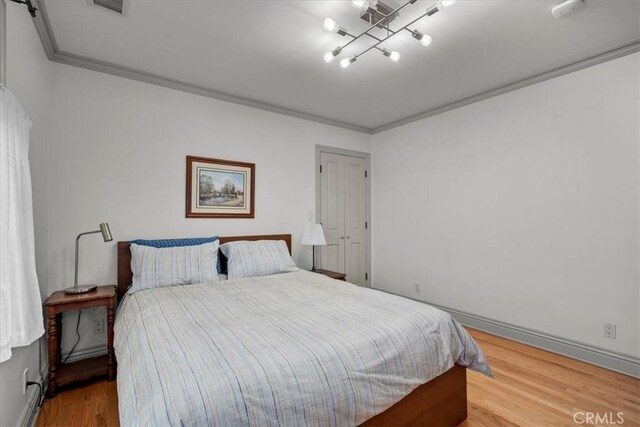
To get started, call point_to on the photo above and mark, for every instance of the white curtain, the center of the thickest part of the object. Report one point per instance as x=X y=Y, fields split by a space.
x=20 y=304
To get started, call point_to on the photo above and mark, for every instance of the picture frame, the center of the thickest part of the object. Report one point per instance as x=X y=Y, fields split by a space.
x=219 y=188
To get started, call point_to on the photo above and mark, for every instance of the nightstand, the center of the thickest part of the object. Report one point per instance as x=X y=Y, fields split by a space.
x=332 y=274
x=59 y=302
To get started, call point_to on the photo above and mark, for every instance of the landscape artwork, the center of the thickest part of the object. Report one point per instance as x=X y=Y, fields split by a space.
x=219 y=188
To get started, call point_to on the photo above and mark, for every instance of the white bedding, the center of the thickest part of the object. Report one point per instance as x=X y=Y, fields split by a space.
x=288 y=349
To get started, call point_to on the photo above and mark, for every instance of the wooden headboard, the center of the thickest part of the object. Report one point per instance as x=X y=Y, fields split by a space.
x=125 y=275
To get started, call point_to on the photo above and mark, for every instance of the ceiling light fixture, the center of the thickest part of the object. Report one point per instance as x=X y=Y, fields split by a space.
x=379 y=16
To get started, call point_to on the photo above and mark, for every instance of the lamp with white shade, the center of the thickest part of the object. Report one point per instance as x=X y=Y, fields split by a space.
x=314 y=236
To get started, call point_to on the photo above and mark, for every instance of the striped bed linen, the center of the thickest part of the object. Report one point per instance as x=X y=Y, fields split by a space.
x=289 y=349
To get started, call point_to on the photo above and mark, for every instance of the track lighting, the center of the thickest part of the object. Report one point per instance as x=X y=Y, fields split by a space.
x=380 y=16
x=424 y=39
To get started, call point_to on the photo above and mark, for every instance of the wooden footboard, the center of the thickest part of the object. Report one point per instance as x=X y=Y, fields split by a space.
x=440 y=402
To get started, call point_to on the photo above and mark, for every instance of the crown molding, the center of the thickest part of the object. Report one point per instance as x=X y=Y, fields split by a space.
x=158 y=80
x=43 y=27
x=617 y=52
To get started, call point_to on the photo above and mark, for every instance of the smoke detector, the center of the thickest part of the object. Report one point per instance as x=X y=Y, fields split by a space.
x=566 y=8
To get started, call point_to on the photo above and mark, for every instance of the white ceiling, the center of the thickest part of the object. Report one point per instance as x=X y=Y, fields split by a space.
x=271 y=51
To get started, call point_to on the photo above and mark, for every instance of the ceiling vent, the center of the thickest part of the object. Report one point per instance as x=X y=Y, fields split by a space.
x=116 y=6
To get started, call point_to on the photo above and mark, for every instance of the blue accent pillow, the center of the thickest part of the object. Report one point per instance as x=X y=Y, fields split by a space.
x=172 y=243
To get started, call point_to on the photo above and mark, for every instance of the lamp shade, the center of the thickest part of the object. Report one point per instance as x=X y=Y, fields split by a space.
x=106 y=232
x=313 y=235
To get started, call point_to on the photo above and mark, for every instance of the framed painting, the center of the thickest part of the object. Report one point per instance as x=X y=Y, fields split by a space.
x=220 y=188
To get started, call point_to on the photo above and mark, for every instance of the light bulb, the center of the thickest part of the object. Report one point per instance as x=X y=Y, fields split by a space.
x=330 y=25
x=395 y=56
x=347 y=61
x=447 y=3
x=328 y=57
x=426 y=40
x=360 y=4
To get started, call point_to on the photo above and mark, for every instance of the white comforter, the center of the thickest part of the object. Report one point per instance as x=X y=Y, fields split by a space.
x=289 y=349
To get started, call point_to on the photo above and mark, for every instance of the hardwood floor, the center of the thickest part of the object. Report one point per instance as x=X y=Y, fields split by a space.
x=531 y=388
x=534 y=387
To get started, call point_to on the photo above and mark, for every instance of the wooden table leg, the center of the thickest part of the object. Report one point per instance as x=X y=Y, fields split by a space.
x=111 y=367
x=59 y=339
x=53 y=351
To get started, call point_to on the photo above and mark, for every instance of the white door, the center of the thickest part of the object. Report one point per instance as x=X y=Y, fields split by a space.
x=332 y=212
x=343 y=216
x=354 y=224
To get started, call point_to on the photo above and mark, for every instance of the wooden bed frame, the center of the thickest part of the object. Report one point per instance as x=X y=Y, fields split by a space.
x=440 y=402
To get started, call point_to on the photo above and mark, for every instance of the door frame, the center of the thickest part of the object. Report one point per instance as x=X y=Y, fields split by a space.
x=367 y=158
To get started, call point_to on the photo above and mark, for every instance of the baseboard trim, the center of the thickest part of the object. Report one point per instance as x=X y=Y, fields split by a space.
x=620 y=362
x=30 y=413
x=85 y=353
x=31 y=410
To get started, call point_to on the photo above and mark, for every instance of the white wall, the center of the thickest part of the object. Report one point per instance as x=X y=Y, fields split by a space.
x=523 y=208
x=27 y=77
x=118 y=152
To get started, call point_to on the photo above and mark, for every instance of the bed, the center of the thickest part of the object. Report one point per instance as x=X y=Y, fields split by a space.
x=296 y=348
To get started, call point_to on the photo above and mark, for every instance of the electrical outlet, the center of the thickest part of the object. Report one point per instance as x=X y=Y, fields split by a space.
x=25 y=376
x=98 y=326
x=609 y=330
x=417 y=288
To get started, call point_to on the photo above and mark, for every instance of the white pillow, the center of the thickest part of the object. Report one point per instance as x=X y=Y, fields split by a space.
x=259 y=258
x=182 y=265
